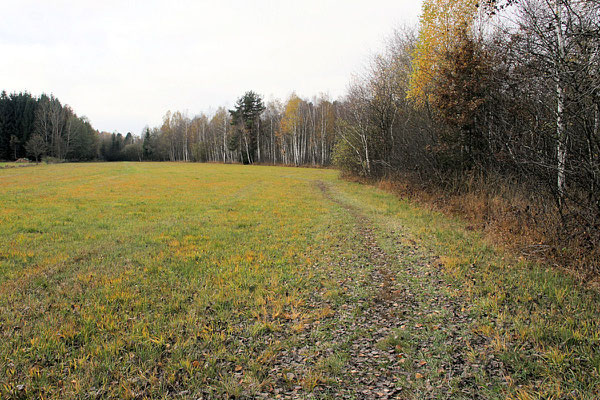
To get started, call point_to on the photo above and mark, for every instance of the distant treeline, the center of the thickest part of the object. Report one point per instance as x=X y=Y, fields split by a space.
x=508 y=90
x=505 y=88
x=42 y=126
x=298 y=132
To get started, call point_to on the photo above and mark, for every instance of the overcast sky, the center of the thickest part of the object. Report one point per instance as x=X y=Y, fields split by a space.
x=123 y=64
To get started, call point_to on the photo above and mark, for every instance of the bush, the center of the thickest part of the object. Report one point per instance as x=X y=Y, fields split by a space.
x=52 y=160
x=344 y=158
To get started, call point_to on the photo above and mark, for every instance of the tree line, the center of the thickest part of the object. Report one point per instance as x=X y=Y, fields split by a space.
x=509 y=88
x=514 y=92
x=294 y=132
x=494 y=88
x=494 y=91
x=42 y=126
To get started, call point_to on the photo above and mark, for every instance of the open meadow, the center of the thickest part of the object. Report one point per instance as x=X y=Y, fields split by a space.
x=184 y=280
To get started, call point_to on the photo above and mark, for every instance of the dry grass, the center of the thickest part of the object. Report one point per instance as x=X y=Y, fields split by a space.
x=142 y=280
x=543 y=325
x=526 y=222
x=172 y=280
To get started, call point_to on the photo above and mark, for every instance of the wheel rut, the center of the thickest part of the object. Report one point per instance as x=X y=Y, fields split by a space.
x=373 y=371
x=407 y=339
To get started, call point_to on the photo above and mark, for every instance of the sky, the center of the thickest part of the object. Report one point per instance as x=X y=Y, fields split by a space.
x=123 y=64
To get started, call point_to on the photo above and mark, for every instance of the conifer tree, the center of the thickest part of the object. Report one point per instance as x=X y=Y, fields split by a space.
x=246 y=122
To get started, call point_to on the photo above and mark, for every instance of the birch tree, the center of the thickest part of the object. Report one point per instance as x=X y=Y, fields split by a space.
x=441 y=23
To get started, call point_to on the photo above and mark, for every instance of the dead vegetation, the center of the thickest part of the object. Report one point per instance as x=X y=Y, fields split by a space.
x=529 y=223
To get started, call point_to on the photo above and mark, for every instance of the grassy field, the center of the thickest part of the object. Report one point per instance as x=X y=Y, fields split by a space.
x=14 y=164
x=167 y=280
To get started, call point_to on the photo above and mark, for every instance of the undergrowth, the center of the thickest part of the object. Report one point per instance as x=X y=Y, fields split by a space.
x=526 y=220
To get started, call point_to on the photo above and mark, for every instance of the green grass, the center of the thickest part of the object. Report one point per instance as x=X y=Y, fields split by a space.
x=155 y=280
x=535 y=319
x=134 y=278
x=11 y=164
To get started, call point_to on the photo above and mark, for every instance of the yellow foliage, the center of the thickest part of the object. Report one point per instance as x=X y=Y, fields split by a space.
x=442 y=21
x=291 y=117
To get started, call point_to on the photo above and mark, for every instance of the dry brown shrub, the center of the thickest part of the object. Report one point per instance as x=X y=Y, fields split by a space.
x=525 y=221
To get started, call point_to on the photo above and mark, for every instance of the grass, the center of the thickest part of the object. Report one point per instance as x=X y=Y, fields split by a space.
x=156 y=280
x=524 y=219
x=538 y=321
x=133 y=278
x=12 y=164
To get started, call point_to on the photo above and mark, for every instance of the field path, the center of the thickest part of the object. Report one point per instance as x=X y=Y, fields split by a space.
x=194 y=281
x=371 y=370
x=389 y=345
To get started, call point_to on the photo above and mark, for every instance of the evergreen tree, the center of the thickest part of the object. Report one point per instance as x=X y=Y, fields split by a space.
x=5 y=120
x=128 y=139
x=17 y=119
x=246 y=122
x=147 y=145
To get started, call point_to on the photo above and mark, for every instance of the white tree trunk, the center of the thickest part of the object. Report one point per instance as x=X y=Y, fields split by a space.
x=185 y=142
x=367 y=159
x=247 y=150
x=561 y=134
x=258 y=141
x=224 y=138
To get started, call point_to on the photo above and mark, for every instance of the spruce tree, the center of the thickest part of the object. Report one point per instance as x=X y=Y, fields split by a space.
x=245 y=118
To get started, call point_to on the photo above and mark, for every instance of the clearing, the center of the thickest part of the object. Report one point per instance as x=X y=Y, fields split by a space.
x=201 y=281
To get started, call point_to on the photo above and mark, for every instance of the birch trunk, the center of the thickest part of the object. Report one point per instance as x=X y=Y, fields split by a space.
x=185 y=143
x=258 y=140
x=224 y=139
x=247 y=150
x=595 y=140
x=561 y=134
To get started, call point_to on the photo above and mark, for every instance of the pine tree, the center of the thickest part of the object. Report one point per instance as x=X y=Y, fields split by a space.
x=246 y=120
x=147 y=145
